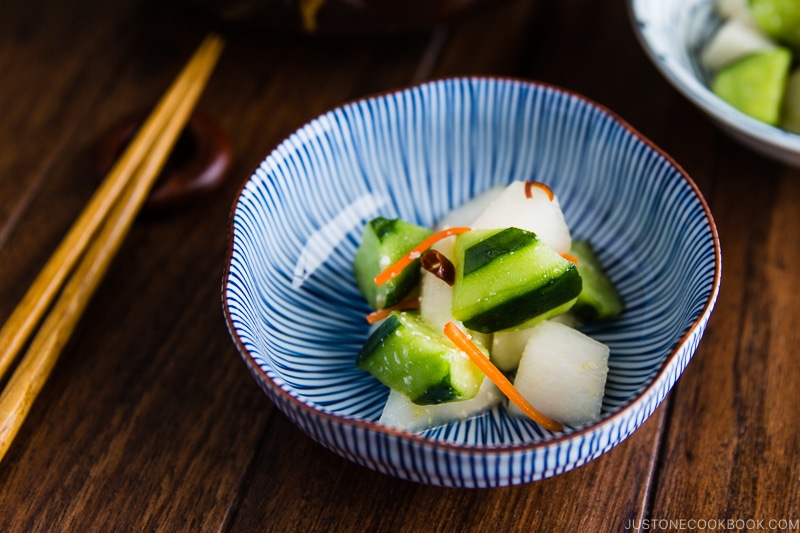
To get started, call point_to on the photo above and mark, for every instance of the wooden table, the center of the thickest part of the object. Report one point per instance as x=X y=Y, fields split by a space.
x=151 y=422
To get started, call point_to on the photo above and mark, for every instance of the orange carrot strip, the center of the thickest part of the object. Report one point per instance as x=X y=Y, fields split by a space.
x=538 y=184
x=569 y=257
x=398 y=266
x=380 y=314
x=463 y=342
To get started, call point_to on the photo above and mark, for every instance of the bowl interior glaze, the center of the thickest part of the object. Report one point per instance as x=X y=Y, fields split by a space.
x=298 y=319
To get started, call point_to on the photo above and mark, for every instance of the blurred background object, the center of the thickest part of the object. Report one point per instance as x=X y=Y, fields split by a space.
x=339 y=16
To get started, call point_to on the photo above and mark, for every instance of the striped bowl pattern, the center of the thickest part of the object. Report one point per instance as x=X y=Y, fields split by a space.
x=672 y=33
x=297 y=318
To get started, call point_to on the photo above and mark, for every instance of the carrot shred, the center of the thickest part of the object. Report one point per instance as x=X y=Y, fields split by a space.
x=463 y=342
x=529 y=185
x=569 y=257
x=380 y=314
x=398 y=266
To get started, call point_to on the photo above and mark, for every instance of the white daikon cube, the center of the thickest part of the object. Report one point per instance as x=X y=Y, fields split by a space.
x=435 y=295
x=465 y=214
x=537 y=214
x=735 y=9
x=436 y=298
x=507 y=348
x=734 y=40
x=401 y=413
x=563 y=374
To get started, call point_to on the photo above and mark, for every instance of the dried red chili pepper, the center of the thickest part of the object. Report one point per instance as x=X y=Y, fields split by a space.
x=440 y=266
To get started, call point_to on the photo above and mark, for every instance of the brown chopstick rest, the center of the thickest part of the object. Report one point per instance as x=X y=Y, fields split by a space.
x=196 y=168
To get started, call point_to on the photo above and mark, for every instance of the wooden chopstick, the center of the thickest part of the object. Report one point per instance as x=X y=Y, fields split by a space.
x=39 y=296
x=94 y=239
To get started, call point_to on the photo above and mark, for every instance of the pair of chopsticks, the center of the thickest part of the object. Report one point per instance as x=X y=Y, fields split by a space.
x=75 y=269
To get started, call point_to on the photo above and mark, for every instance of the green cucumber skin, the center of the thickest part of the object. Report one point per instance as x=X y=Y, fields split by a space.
x=484 y=253
x=386 y=328
x=757 y=92
x=406 y=355
x=437 y=393
x=780 y=19
x=383 y=227
x=519 y=311
x=392 y=238
x=507 y=279
x=599 y=299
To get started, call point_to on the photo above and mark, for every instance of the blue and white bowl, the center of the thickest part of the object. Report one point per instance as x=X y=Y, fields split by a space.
x=297 y=318
x=672 y=33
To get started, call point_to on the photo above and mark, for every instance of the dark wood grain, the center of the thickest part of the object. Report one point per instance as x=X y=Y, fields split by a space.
x=151 y=422
x=735 y=422
x=328 y=494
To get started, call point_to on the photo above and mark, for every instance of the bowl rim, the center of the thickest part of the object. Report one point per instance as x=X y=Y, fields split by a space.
x=687 y=83
x=640 y=397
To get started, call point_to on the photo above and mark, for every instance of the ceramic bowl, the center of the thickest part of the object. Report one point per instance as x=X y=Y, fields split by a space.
x=297 y=318
x=672 y=33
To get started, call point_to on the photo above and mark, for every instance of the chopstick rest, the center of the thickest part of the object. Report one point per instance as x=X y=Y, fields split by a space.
x=196 y=168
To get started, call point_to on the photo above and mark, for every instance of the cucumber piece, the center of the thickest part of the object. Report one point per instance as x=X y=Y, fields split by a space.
x=383 y=242
x=791 y=105
x=599 y=299
x=509 y=279
x=755 y=84
x=563 y=374
x=408 y=356
x=779 y=19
